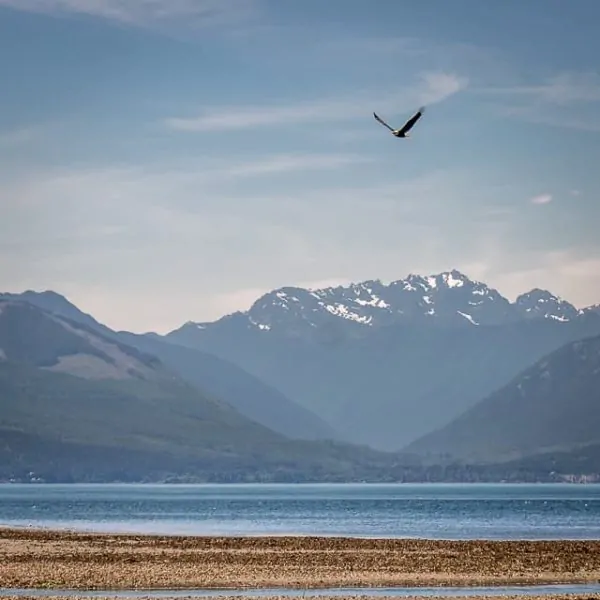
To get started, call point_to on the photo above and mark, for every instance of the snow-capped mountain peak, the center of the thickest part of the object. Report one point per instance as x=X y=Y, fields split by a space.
x=448 y=297
x=542 y=303
x=449 y=279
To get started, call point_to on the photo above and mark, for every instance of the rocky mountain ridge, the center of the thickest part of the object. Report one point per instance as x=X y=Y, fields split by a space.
x=427 y=349
x=449 y=297
x=387 y=363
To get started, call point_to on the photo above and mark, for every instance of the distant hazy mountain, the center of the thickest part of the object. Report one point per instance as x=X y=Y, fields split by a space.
x=592 y=309
x=379 y=364
x=552 y=407
x=75 y=404
x=386 y=364
x=214 y=376
x=449 y=297
x=541 y=303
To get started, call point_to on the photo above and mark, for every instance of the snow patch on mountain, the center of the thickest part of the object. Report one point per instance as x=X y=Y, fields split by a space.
x=467 y=317
x=340 y=310
x=451 y=281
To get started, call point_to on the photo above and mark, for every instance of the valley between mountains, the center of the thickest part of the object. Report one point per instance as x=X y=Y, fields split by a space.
x=433 y=377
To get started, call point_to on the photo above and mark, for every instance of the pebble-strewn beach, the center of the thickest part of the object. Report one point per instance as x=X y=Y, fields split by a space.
x=33 y=558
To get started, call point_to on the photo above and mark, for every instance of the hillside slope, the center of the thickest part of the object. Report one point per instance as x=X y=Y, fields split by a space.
x=246 y=393
x=553 y=406
x=393 y=384
x=211 y=375
x=34 y=337
x=65 y=428
x=51 y=364
x=131 y=414
x=70 y=398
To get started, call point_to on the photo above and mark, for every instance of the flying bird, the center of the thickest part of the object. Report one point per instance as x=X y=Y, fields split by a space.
x=403 y=131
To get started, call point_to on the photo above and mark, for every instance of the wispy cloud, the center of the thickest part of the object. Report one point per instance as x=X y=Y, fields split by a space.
x=561 y=89
x=430 y=89
x=439 y=86
x=143 y=12
x=541 y=199
x=553 y=101
x=162 y=181
x=286 y=163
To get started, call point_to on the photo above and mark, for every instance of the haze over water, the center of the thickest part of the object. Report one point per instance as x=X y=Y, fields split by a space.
x=443 y=511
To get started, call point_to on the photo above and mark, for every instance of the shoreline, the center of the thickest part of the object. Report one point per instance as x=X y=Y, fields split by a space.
x=81 y=532
x=57 y=559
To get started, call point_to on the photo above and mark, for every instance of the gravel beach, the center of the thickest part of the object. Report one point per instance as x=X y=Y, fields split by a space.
x=55 y=559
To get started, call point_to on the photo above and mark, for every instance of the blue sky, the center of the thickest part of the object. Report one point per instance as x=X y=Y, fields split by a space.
x=171 y=160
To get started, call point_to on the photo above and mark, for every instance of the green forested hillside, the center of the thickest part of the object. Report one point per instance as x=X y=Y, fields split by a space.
x=73 y=402
x=210 y=374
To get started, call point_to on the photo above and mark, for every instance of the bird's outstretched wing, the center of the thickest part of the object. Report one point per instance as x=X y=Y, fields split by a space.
x=409 y=124
x=382 y=122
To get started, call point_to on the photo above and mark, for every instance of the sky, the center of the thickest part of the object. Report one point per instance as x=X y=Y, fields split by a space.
x=171 y=160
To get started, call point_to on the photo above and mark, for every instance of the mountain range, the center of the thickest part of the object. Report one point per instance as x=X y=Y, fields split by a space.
x=370 y=380
x=449 y=297
x=386 y=364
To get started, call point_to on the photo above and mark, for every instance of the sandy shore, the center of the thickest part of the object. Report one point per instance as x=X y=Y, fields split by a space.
x=55 y=559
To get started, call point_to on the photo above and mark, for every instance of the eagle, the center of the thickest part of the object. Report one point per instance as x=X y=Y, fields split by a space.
x=403 y=131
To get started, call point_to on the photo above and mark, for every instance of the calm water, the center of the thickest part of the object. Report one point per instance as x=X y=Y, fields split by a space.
x=448 y=511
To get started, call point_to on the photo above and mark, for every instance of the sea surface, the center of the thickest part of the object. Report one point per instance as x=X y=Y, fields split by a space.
x=442 y=511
